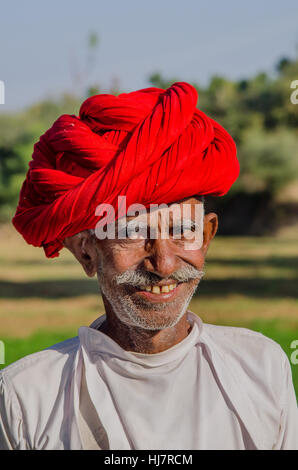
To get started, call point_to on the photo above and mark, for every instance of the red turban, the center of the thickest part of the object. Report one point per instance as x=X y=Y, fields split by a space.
x=151 y=145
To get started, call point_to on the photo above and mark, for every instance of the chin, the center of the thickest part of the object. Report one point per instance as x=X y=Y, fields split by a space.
x=138 y=312
x=150 y=316
x=155 y=321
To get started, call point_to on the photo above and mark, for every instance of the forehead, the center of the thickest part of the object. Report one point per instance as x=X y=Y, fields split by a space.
x=188 y=207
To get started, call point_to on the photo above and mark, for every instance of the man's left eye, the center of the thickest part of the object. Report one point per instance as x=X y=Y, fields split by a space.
x=184 y=228
x=189 y=227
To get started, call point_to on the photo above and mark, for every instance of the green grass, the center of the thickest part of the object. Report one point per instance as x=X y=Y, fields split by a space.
x=16 y=348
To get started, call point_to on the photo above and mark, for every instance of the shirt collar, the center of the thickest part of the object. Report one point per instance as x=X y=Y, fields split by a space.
x=99 y=345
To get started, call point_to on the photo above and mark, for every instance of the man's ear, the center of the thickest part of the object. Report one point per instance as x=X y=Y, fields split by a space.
x=82 y=246
x=210 y=229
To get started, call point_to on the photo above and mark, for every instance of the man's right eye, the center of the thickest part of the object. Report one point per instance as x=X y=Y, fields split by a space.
x=133 y=231
x=122 y=233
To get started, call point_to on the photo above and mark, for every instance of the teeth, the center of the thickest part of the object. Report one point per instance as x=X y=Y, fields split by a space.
x=158 y=289
x=165 y=289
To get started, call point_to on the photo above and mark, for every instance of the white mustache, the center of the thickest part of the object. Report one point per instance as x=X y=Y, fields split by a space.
x=146 y=278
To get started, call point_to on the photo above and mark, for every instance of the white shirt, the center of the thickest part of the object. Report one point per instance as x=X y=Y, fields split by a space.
x=219 y=388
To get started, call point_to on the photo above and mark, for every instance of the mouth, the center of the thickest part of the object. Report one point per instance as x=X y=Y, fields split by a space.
x=156 y=293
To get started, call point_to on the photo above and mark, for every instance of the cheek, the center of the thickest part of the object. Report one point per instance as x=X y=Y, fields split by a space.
x=120 y=259
x=195 y=257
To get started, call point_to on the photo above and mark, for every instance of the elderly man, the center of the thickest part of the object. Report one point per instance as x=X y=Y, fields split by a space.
x=121 y=186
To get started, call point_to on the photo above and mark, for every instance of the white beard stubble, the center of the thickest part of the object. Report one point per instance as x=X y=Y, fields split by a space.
x=138 y=312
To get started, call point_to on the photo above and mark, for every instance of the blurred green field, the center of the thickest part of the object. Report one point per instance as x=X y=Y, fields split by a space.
x=249 y=282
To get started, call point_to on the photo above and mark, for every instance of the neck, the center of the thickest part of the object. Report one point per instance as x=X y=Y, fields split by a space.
x=139 y=340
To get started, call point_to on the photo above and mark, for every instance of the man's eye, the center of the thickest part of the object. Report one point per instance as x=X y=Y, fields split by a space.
x=133 y=231
x=189 y=228
x=186 y=228
x=122 y=233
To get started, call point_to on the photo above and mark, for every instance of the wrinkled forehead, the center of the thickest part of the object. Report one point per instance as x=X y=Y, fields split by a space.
x=168 y=213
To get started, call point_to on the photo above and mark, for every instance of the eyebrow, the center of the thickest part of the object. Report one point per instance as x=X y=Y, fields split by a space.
x=171 y=222
x=193 y=222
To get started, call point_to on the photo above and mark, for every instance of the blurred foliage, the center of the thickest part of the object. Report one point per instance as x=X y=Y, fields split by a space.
x=18 y=133
x=263 y=121
x=257 y=112
x=269 y=160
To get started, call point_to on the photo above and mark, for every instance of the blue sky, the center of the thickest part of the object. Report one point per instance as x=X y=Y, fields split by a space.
x=43 y=44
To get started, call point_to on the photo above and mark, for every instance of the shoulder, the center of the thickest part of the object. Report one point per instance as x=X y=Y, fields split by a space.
x=251 y=354
x=42 y=363
x=40 y=374
x=242 y=339
x=256 y=374
x=30 y=389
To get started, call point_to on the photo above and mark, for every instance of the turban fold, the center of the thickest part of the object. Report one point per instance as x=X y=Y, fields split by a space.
x=152 y=146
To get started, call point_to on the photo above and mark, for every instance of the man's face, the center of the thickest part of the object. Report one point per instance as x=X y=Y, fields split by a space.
x=149 y=282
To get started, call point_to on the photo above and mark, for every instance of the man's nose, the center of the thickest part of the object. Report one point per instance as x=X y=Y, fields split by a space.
x=161 y=259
